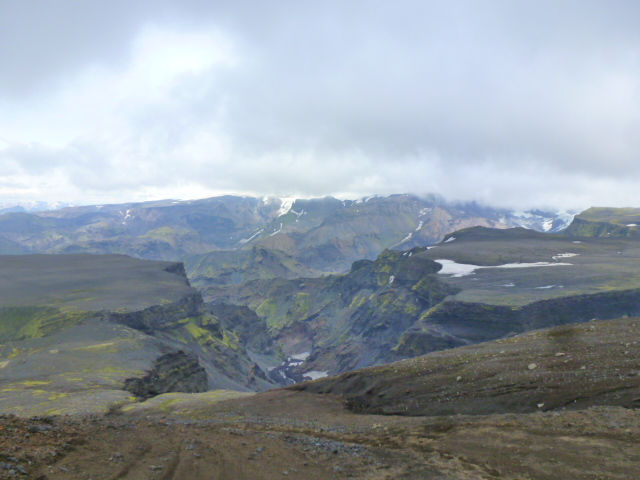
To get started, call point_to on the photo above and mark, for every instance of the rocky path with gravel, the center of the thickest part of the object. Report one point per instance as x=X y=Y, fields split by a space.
x=283 y=434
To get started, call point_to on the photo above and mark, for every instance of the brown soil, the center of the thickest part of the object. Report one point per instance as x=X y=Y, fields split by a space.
x=288 y=434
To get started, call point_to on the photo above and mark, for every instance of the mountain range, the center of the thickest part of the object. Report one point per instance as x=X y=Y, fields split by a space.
x=325 y=233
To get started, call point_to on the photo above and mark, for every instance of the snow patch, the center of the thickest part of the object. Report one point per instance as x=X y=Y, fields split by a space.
x=564 y=255
x=300 y=356
x=298 y=215
x=549 y=286
x=245 y=240
x=277 y=231
x=408 y=237
x=315 y=374
x=391 y=279
x=527 y=265
x=450 y=239
x=126 y=216
x=449 y=267
x=632 y=224
x=510 y=284
x=538 y=220
x=419 y=225
x=285 y=205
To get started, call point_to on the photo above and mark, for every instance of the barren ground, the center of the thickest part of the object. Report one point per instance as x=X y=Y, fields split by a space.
x=289 y=434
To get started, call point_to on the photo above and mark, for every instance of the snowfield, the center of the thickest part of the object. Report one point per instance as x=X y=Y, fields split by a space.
x=449 y=267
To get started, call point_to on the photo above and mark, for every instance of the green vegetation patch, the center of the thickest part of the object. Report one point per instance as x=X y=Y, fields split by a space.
x=267 y=310
x=20 y=323
x=185 y=404
x=206 y=331
x=611 y=215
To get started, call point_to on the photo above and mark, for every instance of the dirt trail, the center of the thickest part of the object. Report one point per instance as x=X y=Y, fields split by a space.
x=284 y=434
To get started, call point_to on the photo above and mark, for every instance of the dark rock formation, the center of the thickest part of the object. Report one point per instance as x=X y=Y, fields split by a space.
x=172 y=372
x=159 y=317
x=452 y=324
x=251 y=330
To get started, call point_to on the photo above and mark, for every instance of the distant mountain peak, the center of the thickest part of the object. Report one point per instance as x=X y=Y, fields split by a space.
x=32 y=206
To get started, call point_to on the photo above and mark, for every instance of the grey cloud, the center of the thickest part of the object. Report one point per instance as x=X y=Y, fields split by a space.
x=356 y=97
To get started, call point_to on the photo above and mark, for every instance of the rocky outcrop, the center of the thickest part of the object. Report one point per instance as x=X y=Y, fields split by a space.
x=172 y=372
x=159 y=317
x=452 y=323
x=251 y=330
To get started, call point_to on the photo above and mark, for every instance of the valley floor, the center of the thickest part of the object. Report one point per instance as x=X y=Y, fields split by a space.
x=291 y=434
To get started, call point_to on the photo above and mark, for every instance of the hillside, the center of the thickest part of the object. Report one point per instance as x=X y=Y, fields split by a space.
x=81 y=333
x=573 y=367
x=606 y=222
x=448 y=415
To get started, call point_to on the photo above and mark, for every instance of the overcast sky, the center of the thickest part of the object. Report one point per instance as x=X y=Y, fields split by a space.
x=508 y=102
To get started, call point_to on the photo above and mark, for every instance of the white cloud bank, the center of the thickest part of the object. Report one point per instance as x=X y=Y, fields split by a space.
x=537 y=105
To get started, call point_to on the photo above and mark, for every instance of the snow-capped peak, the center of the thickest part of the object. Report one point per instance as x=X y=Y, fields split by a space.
x=285 y=205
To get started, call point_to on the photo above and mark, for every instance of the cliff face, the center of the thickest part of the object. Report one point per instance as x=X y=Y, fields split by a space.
x=172 y=372
x=460 y=323
x=159 y=317
x=251 y=330
x=216 y=341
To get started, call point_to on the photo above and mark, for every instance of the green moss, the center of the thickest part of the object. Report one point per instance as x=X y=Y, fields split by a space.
x=206 y=338
x=359 y=300
x=57 y=395
x=611 y=215
x=196 y=331
x=33 y=383
x=267 y=310
x=302 y=305
x=20 y=323
x=191 y=405
x=164 y=232
x=383 y=278
x=410 y=308
x=108 y=347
